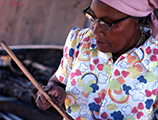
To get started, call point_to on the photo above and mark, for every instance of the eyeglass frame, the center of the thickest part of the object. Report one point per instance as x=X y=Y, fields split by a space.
x=107 y=23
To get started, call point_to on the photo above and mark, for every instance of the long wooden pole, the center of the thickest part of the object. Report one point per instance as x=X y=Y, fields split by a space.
x=52 y=101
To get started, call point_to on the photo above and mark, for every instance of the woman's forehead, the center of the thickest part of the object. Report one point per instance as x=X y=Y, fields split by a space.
x=101 y=9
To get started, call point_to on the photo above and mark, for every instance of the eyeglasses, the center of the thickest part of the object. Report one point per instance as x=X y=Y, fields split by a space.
x=103 y=24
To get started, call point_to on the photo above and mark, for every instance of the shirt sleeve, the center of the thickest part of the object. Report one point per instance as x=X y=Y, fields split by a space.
x=69 y=52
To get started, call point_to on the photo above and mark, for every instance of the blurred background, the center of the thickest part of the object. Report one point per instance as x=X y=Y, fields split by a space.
x=40 y=21
x=36 y=31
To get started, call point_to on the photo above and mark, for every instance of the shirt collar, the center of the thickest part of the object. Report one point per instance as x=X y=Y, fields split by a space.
x=148 y=53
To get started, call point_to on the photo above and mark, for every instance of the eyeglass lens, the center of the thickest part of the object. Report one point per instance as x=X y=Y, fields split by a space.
x=93 y=22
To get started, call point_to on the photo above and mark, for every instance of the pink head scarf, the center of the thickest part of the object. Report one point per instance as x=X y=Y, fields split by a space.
x=137 y=8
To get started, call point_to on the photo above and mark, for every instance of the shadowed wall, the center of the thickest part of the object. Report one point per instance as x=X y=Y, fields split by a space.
x=39 y=21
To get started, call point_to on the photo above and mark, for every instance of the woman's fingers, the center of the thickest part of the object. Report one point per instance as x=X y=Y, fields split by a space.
x=54 y=92
x=41 y=101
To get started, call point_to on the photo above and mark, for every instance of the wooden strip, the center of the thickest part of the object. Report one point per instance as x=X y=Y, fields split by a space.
x=52 y=101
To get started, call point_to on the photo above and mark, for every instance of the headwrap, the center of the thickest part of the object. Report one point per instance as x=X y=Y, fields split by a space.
x=137 y=8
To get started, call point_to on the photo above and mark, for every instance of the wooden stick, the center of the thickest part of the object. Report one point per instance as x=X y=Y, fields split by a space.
x=52 y=101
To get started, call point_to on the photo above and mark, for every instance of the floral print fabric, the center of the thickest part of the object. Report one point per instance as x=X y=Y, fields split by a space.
x=98 y=88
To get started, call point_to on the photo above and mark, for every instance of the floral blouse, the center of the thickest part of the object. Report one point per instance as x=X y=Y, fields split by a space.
x=98 y=88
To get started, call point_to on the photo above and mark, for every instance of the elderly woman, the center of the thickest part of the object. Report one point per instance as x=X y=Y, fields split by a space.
x=109 y=71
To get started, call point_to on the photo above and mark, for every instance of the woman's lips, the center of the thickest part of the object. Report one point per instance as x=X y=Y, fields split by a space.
x=100 y=43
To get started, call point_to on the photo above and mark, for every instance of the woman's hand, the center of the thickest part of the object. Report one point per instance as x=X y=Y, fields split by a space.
x=53 y=91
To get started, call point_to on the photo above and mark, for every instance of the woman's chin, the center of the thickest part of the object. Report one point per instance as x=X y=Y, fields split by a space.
x=103 y=49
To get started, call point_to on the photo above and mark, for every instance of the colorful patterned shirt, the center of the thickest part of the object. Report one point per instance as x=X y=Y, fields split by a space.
x=98 y=88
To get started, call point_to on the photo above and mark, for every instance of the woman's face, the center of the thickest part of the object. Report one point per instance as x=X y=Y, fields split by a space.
x=121 y=36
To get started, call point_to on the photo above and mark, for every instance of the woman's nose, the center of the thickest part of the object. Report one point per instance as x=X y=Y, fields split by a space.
x=97 y=30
